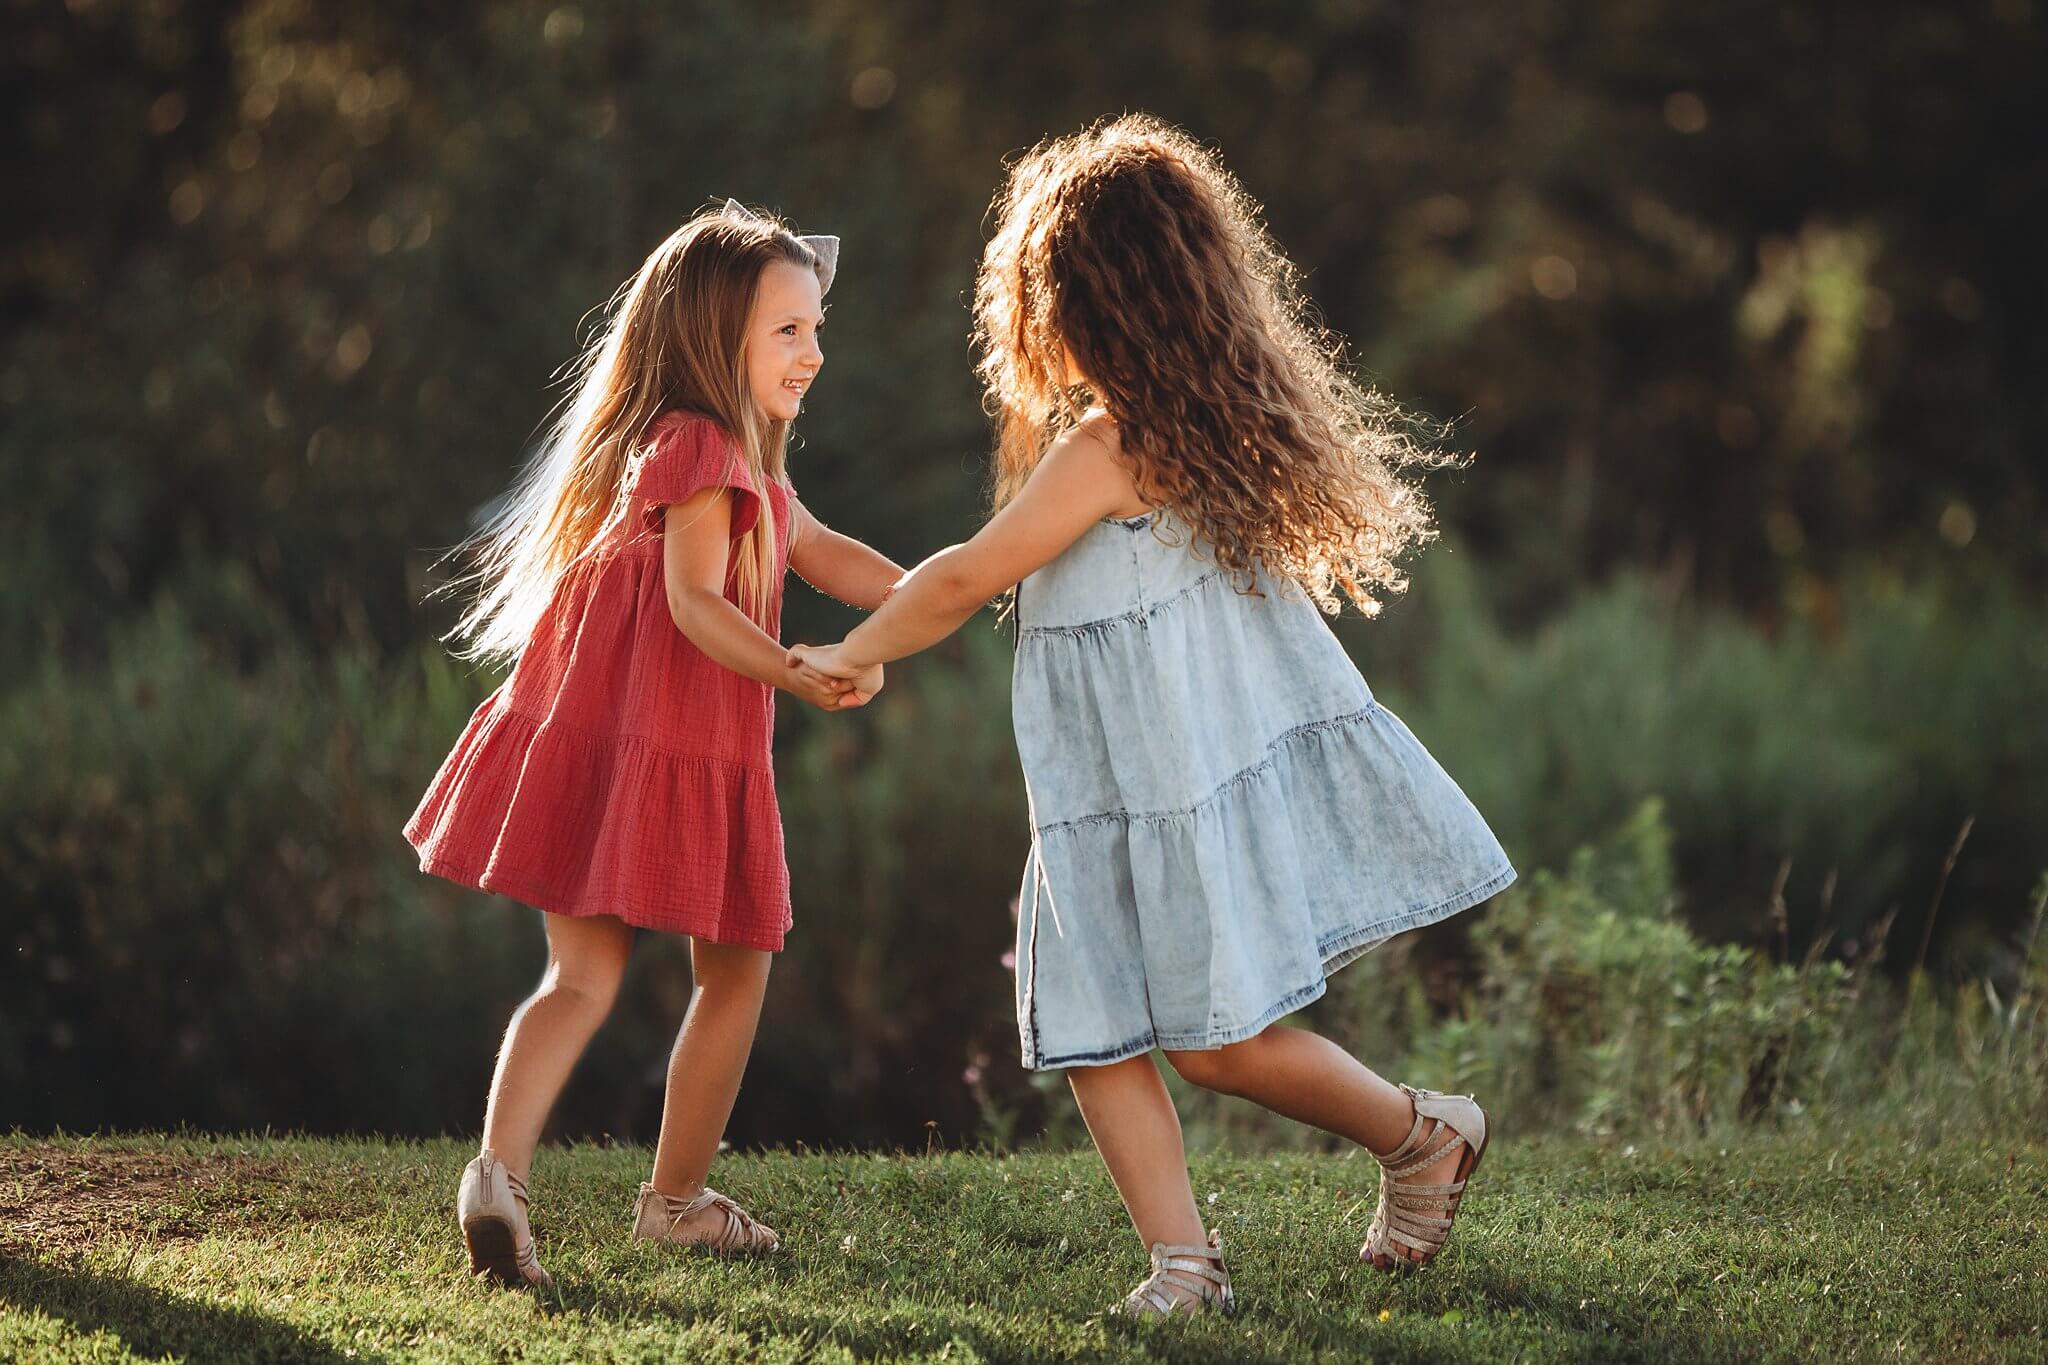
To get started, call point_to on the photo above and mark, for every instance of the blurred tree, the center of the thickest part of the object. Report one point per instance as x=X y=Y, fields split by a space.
x=1726 y=294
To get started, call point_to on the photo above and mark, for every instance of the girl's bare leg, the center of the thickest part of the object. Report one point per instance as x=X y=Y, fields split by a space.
x=709 y=1058
x=547 y=1035
x=1308 y=1078
x=1131 y=1118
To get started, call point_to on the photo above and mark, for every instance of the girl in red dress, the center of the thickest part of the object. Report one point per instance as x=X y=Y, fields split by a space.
x=620 y=778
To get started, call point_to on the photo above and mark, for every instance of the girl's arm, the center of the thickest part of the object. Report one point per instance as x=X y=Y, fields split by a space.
x=838 y=565
x=1079 y=482
x=696 y=540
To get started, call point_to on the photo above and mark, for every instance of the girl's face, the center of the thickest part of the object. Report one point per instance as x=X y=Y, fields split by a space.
x=782 y=339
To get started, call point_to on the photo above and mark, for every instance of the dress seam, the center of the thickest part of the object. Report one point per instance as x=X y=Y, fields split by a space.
x=1140 y=615
x=1141 y=611
x=599 y=736
x=1273 y=753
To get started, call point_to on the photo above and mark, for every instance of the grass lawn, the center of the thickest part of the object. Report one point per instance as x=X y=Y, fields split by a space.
x=1779 y=1248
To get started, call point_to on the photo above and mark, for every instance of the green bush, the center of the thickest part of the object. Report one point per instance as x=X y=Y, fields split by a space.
x=1596 y=1008
x=209 y=919
x=1928 y=1058
x=1854 y=753
x=211 y=916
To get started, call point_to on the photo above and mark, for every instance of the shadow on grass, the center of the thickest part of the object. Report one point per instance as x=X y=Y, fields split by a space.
x=152 y=1323
x=884 y=1329
x=1596 y=1334
x=1265 y=1332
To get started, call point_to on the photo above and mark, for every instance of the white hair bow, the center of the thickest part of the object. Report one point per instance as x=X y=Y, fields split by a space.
x=826 y=249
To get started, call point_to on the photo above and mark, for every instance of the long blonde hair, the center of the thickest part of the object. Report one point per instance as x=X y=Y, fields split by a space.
x=1129 y=246
x=673 y=338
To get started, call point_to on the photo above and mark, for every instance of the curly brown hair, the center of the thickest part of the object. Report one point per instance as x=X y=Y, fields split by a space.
x=1128 y=246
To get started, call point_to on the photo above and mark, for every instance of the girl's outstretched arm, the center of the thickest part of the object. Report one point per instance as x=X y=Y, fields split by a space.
x=696 y=545
x=1079 y=482
x=840 y=566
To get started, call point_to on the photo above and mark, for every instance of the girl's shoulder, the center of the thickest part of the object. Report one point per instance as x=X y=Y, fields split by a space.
x=682 y=452
x=1097 y=433
x=682 y=425
x=1097 y=424
x=680 y=441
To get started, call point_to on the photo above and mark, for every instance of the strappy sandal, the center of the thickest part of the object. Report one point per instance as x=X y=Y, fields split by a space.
x=490 y=1207
x=659 y=1217
x=1189 y=1280
x=1419 y=1216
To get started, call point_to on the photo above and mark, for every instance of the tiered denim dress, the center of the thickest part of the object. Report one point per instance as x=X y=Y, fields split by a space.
x=1221 y=814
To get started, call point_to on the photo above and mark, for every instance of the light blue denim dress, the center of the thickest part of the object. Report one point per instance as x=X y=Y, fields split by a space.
x=1221 y=814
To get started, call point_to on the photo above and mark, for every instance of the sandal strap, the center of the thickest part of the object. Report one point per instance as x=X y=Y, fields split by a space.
x=1429 y=1158
x=736 y=1225
x=1210 y=1289
x=1148 y=1294
x=1199 y=1273
x=1409 y=1221
x=1433 y=1134
x=1206 y=1252
x=1153 y=1291
x=1409 y=1145
x=1417 y=1214
x=1396 y=1235
x=1174 y=1265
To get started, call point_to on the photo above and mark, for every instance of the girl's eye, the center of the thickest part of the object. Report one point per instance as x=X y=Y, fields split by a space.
x=788 y=328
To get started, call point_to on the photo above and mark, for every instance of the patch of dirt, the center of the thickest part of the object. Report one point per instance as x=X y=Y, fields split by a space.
x=57 y=1201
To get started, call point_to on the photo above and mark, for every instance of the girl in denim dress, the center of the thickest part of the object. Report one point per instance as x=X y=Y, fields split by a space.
x=1221 y=813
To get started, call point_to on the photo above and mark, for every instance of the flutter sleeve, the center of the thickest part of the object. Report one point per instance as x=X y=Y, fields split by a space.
x=683 y=455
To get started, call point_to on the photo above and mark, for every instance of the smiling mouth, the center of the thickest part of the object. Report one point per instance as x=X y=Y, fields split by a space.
x=796 y=386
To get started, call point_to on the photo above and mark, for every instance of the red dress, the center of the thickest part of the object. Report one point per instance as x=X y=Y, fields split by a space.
x=619 y=770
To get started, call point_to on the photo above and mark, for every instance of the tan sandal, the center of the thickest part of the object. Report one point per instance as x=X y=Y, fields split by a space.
x=490 y=1207
x=1189 y=1280
x=735 y=1232
x=1419 y=1216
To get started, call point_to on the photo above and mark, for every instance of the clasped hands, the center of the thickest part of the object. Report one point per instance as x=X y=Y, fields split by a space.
x=828 y=682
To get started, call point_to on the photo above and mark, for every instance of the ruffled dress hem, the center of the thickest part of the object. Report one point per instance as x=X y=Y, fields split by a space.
x=513 y=780
x=706 y=926
x=1337 y=953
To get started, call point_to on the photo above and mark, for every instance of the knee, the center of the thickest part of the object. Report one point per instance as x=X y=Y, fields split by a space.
x=1219 y=1069
x=586 y=987
x=737 y=976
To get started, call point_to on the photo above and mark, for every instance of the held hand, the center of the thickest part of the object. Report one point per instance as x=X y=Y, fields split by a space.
x=825 y=659
x=822 y=658
x=821 y=690
x=865 y=684
x=836 y=686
